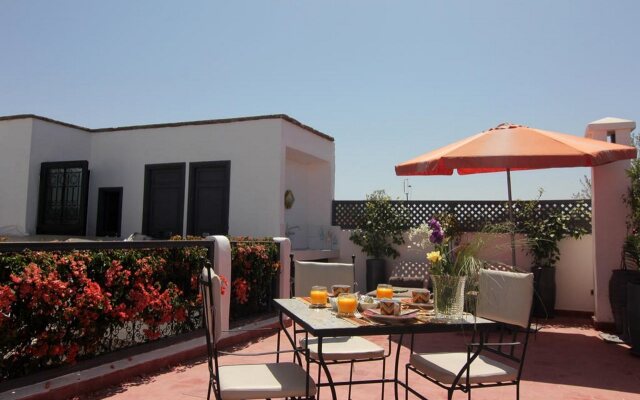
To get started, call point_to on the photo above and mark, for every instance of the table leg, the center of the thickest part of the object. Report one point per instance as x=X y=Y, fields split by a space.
x=323 y=364
x=395 y=374
x=288 y=335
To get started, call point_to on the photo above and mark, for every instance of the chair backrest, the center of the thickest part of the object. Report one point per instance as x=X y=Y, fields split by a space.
x=210 y=288
x=505 y=297
x=308 y=274
x=499 y=266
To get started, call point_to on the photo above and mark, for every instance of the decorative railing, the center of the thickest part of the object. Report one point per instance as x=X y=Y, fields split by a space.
x=472 y=216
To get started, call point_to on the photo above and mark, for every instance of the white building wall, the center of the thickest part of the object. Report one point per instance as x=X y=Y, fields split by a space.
x=15 y=141
x=307 y=170
x=574 y=271
x=296 y=216
x=610 y=183
x=253 y=147
x=52 y=142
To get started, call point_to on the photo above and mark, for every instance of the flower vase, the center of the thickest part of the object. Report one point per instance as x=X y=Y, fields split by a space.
x=448 y=295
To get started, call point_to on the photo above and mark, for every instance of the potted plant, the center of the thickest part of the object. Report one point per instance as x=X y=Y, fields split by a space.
x=624 y=286
x=543 y=234
x=380 y=227
x=627 y=273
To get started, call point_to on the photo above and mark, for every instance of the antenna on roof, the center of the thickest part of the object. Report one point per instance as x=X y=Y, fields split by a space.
x=407 y=188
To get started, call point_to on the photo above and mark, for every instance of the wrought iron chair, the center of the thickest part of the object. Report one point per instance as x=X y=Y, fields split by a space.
x=246 y=381
x=503 y=297
x=335 y=350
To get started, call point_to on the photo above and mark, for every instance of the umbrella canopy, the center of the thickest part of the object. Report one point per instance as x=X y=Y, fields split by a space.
x=515 y=147
x=510 y=147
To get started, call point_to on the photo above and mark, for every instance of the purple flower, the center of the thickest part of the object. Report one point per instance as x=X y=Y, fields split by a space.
x=436 y=237
x=434 y=224
x=437 y=234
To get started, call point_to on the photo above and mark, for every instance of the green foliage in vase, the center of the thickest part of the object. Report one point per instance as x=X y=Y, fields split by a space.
x=451 y=257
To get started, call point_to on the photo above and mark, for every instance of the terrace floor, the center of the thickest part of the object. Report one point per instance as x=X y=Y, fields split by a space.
x=566 y=360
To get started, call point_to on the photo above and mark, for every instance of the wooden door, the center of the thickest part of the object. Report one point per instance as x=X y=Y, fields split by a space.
x=163 y=200
x=208 y=198
x=62 y=205
x=109 y=212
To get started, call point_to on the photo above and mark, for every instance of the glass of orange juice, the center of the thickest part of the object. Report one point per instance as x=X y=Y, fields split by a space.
x=347 y=304
x=384 y=291
x=318 y=296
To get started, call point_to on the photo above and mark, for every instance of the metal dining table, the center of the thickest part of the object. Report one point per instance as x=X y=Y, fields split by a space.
x=323 y=323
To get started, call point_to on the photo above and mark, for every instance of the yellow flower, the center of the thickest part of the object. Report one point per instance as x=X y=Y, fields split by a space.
x=434 y=257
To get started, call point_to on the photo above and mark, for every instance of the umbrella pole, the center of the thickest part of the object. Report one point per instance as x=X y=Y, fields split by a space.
x=513 y=233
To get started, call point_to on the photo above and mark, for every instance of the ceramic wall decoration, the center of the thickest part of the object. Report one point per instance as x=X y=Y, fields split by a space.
x=289 y=199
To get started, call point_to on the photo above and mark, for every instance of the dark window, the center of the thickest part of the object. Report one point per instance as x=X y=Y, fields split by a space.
x=208 y=198
x=62 y=206
x=109 y=212
x=163 y=200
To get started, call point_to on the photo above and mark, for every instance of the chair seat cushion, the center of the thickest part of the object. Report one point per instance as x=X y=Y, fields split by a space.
x=260 y=381
x=344 y=348
x=444 y=367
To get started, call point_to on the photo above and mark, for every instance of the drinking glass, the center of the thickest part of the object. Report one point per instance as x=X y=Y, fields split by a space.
x=384 y=291
x=347 y=304
x=318 y=296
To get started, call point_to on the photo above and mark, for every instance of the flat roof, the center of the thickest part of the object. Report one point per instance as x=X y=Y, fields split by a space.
x=175 y=124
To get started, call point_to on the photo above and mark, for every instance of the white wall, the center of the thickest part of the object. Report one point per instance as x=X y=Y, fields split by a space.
x=253 y=147
x=15 y=141
x=296 y=217
x=52 y=142
x=574 y=272
x=574 y=275
x=610 y=183
x=308 y=170
x=263 y=154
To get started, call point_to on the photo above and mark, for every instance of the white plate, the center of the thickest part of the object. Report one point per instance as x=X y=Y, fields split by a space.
x=404 y=318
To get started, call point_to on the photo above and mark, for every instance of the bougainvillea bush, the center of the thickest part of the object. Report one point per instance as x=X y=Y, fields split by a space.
x=57 y=307
x=254 y=268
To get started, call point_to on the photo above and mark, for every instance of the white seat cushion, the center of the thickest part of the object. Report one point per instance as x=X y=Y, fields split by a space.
x=343 y=348
x=260 y=381
x=444 y=367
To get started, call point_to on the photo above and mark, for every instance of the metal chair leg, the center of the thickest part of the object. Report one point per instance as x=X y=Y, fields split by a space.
x=318 y=384
x=384 y=365
x=406 y=382
x=350 y=379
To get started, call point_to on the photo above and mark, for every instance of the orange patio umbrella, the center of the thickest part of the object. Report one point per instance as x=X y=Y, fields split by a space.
x=510 y=147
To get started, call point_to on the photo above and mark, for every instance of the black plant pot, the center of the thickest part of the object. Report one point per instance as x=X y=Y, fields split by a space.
x=633 y=316
x=375 y=272
x=544 y=297
x=618 y=297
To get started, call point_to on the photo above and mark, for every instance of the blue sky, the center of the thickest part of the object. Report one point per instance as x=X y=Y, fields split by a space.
x=389 y=80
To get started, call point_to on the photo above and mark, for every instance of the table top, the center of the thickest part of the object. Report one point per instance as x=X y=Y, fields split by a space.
x=324 y=322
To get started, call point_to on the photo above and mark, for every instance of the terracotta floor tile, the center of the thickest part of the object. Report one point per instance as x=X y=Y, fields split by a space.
x=565 y=361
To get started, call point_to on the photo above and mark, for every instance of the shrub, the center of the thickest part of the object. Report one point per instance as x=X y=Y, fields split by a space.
x=59 y=306
x=379 y=227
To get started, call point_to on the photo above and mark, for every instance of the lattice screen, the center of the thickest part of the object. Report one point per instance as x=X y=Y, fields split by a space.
x=472 y=215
